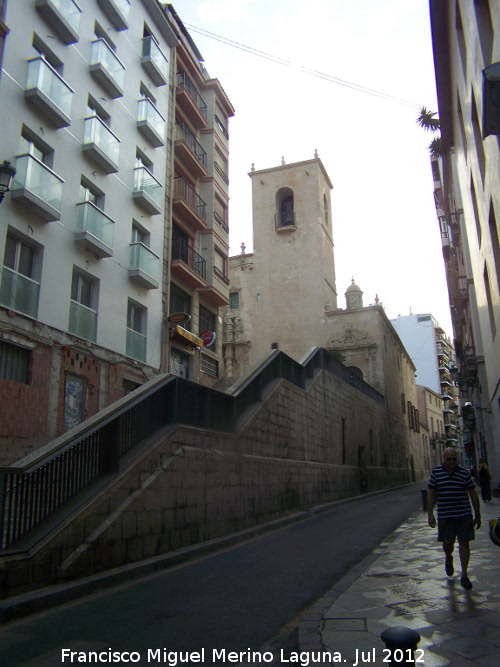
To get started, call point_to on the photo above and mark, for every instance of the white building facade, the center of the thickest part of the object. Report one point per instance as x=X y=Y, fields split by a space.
x=85 y=113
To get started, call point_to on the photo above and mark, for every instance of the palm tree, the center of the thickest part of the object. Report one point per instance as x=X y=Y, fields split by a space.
x=429 y=121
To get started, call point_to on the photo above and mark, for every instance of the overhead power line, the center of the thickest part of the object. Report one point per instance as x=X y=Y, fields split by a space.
x=302 y=68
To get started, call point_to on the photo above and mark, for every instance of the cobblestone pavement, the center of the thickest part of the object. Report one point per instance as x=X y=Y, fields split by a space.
x=403 y=584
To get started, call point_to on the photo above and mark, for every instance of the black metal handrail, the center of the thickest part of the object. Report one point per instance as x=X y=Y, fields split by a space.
x=33 y=489
x=186 y=192
x=183 y=251
x=183 y=133
x=183 y=81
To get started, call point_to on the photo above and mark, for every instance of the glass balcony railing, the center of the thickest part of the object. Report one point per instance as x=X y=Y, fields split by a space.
x=98 y=133
x=82 y=321
x=144 y=259
x=63 y=15
x=43 y=77
x=152 y=55
x=36 y=177
x=92 y=220
x=102 y=56
x=19 y=292
x=136 y=345
x=149 y=114
x=71 y=12
x=144 y=181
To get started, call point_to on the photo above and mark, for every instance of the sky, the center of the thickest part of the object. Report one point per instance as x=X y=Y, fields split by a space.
x=358 y=71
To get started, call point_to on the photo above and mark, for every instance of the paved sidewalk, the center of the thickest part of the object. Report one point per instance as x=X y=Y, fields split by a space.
x=403 y=583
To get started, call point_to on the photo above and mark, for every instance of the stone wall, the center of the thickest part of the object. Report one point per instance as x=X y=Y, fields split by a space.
x=193 y=485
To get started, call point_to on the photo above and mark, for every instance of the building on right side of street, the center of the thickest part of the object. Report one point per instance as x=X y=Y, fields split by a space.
x=467 y=63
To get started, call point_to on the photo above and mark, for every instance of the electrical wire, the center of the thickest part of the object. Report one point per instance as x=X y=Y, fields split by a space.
x=302 y=68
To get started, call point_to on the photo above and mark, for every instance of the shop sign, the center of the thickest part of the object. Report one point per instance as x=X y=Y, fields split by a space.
x=178 y=318
x=208 y=337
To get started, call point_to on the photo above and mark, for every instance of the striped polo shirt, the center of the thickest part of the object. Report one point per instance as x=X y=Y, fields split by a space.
x=451 y=491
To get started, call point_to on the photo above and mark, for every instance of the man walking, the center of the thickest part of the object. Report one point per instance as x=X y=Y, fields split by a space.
x=452 y=486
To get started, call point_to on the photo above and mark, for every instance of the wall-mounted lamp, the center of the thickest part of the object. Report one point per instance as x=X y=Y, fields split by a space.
x=7 y=173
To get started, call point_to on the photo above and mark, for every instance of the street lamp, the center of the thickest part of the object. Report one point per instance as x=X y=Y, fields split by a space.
x=7 y=173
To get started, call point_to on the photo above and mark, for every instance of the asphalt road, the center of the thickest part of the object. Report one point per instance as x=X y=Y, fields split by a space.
x=236 y=599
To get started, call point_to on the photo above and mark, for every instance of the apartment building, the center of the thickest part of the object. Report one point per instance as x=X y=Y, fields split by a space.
x=198 y=285
x=85 y=112
x=467 y=61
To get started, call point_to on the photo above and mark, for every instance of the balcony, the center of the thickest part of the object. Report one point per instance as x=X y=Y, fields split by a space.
x=188 y=264
x=106 y=68
x=151 y=123
x=63 y=16
x=136 y=345
x=101 y=145
x=189 y=205
x=190 y=151
x=94 y=230
x=82 y=321
x=19 y=293
x=38 y=188
x=213 y=296
x=47 y=91
x=117 y=12
x=144 y=265
x=153 y=61
x=148 y=192
x=190 y=100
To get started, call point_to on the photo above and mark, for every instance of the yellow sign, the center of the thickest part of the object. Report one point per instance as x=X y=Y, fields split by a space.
x=189 y=336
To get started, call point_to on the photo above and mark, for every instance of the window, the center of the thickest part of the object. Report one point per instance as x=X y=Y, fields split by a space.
x=220 y=265
x=207 y=319
x=81 y=290
x=49 y=56
x=20 y=284
x=220 y=213
x=14 y=363
x=285 y=215
x=28 y=146
x=325 y=207
x=234 y=300
x=209 y=366
x=83 y=306
x=95 y=109
x=139 y=235
x=89 y=194
x=180 y=302
x=136 y=328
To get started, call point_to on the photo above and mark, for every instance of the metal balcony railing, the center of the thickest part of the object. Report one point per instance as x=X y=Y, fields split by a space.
x=183 y=133
x=186 y=192
x=183 y=251
x=183 y=81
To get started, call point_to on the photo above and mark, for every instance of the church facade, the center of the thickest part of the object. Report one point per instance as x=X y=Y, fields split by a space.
x=283 y=296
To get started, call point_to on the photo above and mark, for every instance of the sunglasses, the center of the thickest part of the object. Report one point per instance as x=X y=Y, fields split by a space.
x=451 y=458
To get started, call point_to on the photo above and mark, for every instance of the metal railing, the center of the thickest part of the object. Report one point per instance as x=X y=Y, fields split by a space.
x=183 y=251
x=185 y=191
x=50 y=480
x=182 y=133
x=183 y=81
